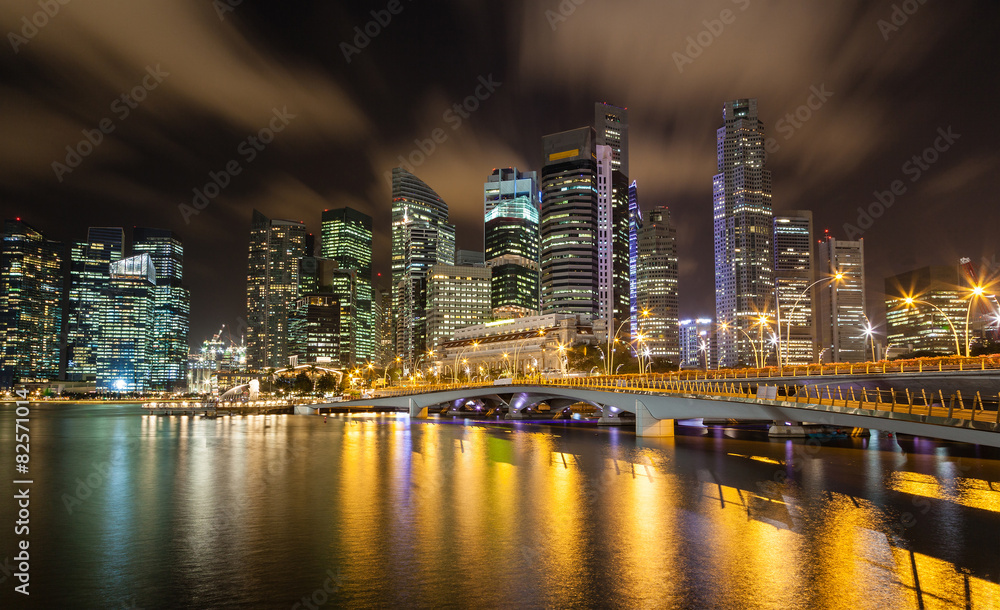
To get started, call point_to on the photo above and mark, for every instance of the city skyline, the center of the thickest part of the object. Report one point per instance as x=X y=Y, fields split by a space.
x=842 y=130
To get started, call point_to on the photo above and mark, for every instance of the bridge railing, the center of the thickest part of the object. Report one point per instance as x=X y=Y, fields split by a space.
x=953 y=406
x=919 y=365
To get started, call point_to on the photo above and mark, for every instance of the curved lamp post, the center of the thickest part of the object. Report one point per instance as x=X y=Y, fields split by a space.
x=911 y=302
x=788 y=332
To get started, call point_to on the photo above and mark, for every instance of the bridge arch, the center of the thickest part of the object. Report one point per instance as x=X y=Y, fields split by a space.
x=656 y=410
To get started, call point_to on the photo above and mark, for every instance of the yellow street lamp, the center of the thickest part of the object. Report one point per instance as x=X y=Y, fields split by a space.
x=838 y=277
x=978 y=292
x=912 y=302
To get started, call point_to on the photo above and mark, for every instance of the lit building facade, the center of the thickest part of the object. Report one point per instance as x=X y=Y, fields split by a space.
x=276 y=246
x=512 y=242
x=171 y=307
x=744 y=233
x=347 y=239
x=794 y=270
x=319 y=332
x=382 y=307
x=31 y=303
x=528 y=345
x=696 y=343
x=656 y=289
x=840 y=311
x=611 y=128
x=612 y=243
x=89 y=277
x=920 y=327
x=126 y=322
x=421 y=238
x=614 y=217
x=634 y=225
x=569 y=223
x=457 y=296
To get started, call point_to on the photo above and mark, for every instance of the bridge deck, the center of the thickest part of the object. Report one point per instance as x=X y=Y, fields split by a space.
x=943 y=408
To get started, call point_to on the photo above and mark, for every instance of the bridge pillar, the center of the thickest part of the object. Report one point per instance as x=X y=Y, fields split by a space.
x=647 y=425
x=417 y=411
x=609 y=417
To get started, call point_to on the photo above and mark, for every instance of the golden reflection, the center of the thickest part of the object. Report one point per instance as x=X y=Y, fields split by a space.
x=977 y=493
x=916 y=484
x=971 y=493
x=646 y=522
x=929 y=582
x=740 y=550
x=854 y=561
x=759 y=458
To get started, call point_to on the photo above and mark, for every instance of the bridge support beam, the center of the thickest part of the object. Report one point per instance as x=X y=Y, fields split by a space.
x=416 y=411
x=780 y=429
x=609 y=417
x=647 y=425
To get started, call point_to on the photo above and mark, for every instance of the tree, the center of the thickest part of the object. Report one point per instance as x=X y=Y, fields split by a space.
x=326 y=383
x=584 y=358
x=302 y=383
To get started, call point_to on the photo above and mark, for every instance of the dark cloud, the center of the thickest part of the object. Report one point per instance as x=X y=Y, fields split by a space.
x=891 y=91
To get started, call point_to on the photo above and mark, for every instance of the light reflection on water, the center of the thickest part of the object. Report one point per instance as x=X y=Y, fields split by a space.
x=257 y=511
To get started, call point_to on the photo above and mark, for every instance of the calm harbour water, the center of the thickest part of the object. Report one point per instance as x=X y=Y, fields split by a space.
x=377 y=510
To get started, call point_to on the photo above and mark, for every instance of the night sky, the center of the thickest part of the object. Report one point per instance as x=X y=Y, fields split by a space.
x=210 y=75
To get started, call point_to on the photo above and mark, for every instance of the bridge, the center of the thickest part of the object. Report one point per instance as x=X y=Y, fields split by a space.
x=656 y=402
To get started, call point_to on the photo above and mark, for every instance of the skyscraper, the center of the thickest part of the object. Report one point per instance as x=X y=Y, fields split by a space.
x=634 y=224
x=840 y=313
x=614 y=220
x=612 y=243
x=421 y=237
x=347 y=239
x=744 y=233
x=569 y=223
x=324 y=324
x=696 y=343
x=474 y=258
x=31 y=306
x=89 y=277
x=458 y=296
x=794 y=270
x=512 y=241
x=611 y=125
x=656 y=291
x=932 y=323
x=272 y=289
x=126 y=321
x=171 y=307
x=384 y=325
